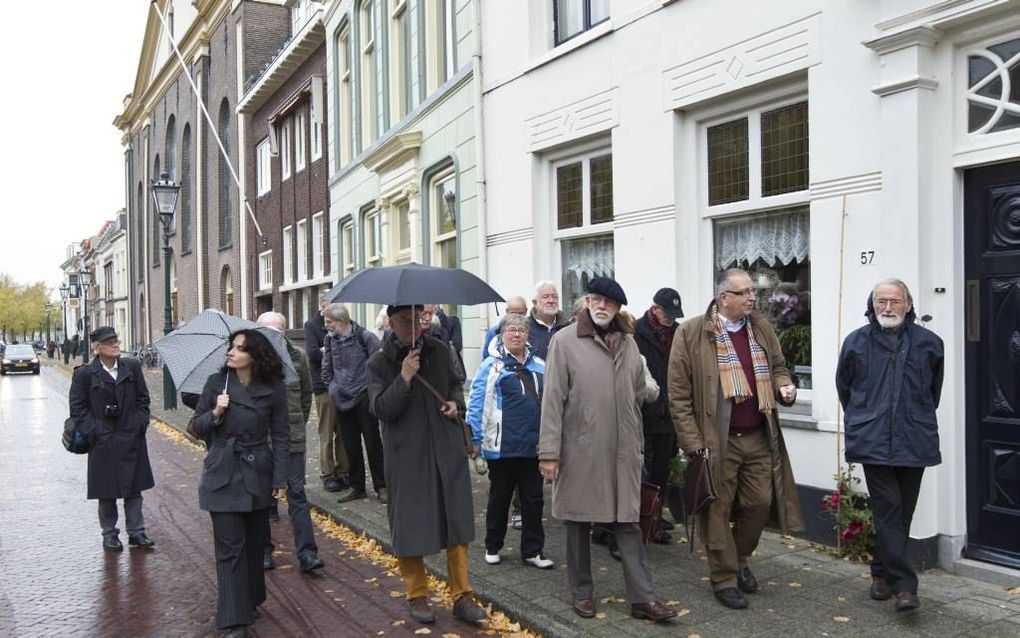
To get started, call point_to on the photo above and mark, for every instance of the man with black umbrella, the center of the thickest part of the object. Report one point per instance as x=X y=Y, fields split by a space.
x=109 y=403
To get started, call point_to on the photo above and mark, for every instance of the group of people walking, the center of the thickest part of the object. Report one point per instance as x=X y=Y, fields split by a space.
x=594 y=402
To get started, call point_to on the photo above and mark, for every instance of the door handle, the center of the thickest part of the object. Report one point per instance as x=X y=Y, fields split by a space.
x=973 y=310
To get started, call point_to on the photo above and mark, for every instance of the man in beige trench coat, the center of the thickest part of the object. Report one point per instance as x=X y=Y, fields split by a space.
x=591 y=445
x=726 y=372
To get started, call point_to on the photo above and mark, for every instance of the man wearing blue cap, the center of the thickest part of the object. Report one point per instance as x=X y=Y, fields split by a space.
x=591 y=442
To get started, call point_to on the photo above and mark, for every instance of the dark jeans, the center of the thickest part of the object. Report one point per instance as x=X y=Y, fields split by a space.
x=297 y=509
x=240 y=581
x=504 y=476
x=659 y=450
x=893 y=495
x=355 y=424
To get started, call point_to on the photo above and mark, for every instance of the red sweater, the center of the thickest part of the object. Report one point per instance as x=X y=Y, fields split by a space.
x=745 y=416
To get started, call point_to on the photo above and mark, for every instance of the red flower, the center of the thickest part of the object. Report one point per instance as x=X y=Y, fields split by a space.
x=834 y=500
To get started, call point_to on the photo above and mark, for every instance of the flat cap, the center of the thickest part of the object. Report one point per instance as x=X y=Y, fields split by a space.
x=102 y=334
x=392 y=310
x=669 y=300
x=607 y=287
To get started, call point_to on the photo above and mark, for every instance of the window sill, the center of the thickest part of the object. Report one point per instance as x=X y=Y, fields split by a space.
x=226 y=247
x=576 y=42
x=798 y=416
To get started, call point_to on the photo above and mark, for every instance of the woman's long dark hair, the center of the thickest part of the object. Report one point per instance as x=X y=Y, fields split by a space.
x=265 y=363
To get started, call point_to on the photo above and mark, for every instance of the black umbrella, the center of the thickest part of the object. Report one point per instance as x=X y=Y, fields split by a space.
x=410 y=284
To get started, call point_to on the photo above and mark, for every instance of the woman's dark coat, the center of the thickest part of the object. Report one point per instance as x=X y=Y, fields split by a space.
x=241 y=469
x=889 y=385
x=118 y=464
x=430 y=506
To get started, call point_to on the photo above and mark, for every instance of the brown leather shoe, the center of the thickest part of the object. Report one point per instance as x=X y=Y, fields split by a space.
x=880 y=589
x=421 y=610
x=585 y=607
x=467 y=609
x=652 y=611
x=906 y=601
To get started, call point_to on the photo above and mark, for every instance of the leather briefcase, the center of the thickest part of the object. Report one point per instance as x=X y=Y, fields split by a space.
x=699 y=490
x=651 y=511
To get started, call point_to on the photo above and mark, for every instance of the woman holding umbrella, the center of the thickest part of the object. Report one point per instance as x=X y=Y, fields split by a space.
x=242 y=407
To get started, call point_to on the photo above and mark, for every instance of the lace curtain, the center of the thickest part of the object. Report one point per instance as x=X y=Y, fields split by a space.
x=775 y=238
x=583 y=259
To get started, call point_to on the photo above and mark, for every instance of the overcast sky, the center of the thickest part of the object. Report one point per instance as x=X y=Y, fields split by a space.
x=67 y=66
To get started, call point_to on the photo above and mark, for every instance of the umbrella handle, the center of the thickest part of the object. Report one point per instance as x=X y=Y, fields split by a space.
x=442 y=400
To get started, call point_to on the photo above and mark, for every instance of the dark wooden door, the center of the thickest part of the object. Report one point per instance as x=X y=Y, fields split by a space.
x=992 y=238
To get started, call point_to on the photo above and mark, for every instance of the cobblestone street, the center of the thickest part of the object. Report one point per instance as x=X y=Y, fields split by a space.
x=55 y=578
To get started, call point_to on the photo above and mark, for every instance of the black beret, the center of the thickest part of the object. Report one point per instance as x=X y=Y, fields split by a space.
x=607 y=287
x=102 y=334
x=392 y=310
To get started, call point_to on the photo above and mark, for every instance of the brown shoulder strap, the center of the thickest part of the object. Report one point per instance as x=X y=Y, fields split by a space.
x=529 y=385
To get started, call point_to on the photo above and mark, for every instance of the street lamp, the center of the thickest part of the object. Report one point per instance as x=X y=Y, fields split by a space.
x=164 y=195
x=49 y=307
x=85 y=277
x=65 y=293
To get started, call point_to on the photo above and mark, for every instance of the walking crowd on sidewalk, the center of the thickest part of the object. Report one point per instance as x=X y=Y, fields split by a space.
x=594 y=402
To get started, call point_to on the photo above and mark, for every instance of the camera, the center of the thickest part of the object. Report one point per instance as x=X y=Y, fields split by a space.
x=111 y=411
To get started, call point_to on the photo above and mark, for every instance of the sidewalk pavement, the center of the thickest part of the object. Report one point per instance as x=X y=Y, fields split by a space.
x=805 y=591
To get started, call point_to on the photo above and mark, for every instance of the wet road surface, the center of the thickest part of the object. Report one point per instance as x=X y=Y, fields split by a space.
x=55 y=578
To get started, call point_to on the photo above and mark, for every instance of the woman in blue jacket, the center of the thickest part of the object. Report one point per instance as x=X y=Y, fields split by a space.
x=504 y=413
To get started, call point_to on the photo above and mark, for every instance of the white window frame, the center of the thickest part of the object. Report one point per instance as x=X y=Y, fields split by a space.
x=291 y=302
x=263 y=172
x=371 y=222
x=288 y=255
x=266 y=270
x=367 y=79
x=584 y=157
x=318 y=245
x=285 y=165
x=302 y=250
x=435 y=238
x=300 y=159
x=345 y=112
x=316 y=138
x=348 y=257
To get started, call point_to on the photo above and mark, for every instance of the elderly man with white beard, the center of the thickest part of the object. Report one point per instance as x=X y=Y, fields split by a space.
x=545 y=318
x=889 y=380
x=591 y=445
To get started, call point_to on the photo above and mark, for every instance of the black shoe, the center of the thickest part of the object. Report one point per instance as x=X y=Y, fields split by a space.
x=652 y=611
x=332 y=484
x=746 y=581
x=240 y=631
x=311 y=563
x=666 y=525
x=141 y=541
x=880 y=589
x=267 y=560
x=732 y=598
x=614 y=550
x=345 y=483
x=601 y=536
x=112 y=544
x=906 y=601
x=351 y=494
x=664 y=538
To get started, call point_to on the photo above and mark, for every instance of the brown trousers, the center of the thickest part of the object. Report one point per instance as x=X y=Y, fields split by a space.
x=332 y=454
x=412 y=572
x=745 y=496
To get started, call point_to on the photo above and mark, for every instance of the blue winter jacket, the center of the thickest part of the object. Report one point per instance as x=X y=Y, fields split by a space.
x=503 y=416
x=890 y=387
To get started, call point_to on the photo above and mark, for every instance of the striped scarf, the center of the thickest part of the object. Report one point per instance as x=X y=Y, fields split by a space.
x=731 y=373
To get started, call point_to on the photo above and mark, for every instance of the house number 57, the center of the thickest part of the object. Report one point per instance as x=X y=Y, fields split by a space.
x=867 y=256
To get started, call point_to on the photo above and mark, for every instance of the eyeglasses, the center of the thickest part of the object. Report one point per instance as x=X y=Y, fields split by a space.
x=891 y=303
x=750 y=292
x=515 y=331
x=110 y=342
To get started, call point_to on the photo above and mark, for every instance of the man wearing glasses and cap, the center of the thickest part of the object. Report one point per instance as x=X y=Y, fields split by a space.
x=109 y=403
x=654 y=336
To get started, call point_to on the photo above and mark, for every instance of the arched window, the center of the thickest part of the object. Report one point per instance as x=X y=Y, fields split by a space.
x=155 y=220
x=226 y=182
x=138 y=219
x=227 y=291
x=185 y=204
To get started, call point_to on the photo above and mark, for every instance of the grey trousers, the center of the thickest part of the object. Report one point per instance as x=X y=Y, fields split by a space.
x=297 y=508
x=637 y=579
x=132 y=515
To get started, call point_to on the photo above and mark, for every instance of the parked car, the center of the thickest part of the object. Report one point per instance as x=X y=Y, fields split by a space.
x=20 y=357
x=39 y=344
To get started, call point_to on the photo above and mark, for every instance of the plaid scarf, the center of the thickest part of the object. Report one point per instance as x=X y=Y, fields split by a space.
x=731 y=373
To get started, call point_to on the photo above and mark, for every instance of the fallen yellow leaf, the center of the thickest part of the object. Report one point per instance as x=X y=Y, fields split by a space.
x=451 y=635
x=840 y=599
x=423 y=631
x=372 y=580
x=682 y=612
x=795 y=585
x=601 y=615
x=1014 y=590
x=693 y=635
x=672 y=603
x=397 y=623
x=841 y=619
x=396 y=594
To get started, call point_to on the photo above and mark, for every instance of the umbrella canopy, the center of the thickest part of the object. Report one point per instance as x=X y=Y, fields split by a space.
x=412 y=283
x=198 y=349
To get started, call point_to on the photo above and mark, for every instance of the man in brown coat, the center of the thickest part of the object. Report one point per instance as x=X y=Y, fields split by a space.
x=726 y=373
x=591 y=445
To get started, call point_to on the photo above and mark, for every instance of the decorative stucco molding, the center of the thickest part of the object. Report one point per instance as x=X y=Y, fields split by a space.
x=645 y=216
x=849 y=185
x=579 y=119
x=509 y=237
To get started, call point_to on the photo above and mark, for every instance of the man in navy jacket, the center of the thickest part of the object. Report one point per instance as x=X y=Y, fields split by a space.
x=889 y=380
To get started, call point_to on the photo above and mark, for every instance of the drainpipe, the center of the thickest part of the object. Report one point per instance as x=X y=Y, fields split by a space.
x=479 y=122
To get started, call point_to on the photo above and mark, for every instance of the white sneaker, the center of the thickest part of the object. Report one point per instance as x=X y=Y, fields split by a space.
x=492 y=559
x=538 y=561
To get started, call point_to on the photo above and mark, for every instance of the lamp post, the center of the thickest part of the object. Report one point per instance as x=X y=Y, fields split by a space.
x=65 y=292
x=164 y=195
x=49 y=307
x=85 y=277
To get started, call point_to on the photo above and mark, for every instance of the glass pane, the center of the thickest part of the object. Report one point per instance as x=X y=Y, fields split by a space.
x=599 y=11
x=774 y=248
x=784 y=150
x=601 y=189
x=404 y=226
x=582 y=259
x=727 y=162
x=568 y=196
x=447 y=253
x=445 y=204
x=569 y=19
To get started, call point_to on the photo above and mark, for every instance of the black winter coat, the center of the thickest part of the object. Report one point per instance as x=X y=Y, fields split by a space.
x=890 y=387
x=315 y=337
x=118 y=463
x=241 y=470
x=656 y=415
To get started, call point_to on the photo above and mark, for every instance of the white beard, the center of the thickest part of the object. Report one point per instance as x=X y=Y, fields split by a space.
x=604 y=321
x=889 y=322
